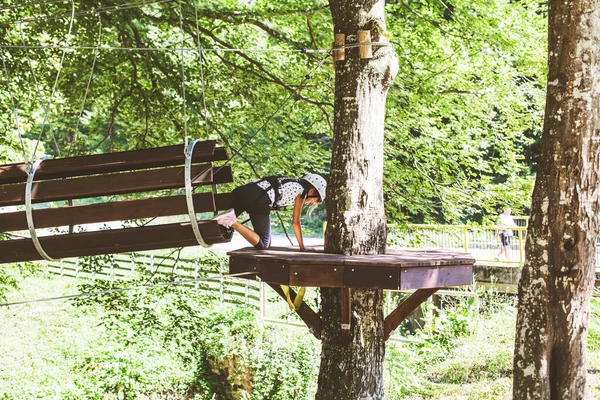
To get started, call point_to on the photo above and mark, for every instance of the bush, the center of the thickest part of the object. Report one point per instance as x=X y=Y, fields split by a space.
x=230 y=353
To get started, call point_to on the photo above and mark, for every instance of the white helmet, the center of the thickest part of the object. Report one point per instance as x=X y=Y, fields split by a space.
x=318 y=182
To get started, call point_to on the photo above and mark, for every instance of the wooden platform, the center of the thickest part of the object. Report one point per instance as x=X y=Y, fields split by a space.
x=396 y=270
x=424 y=271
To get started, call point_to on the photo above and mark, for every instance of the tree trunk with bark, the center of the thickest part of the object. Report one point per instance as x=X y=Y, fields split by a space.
x=352 y=364
x=558 y=276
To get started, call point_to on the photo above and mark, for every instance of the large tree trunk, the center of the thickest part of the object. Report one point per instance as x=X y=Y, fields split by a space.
x=352 y=365
x=558 y=276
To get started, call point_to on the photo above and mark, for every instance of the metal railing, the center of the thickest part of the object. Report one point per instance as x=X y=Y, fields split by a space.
x=483 y=242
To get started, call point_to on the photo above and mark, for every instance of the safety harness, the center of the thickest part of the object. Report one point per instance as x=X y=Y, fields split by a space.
x=275 y=183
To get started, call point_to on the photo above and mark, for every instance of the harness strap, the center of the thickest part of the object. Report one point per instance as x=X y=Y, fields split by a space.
x=275 y=183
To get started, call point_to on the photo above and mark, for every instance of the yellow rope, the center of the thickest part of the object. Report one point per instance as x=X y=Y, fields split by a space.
x=297 y=303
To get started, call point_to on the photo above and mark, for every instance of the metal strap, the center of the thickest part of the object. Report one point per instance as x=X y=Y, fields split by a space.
x=29 y=210
x=189 y=151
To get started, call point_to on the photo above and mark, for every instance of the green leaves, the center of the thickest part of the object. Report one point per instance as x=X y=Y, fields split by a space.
x=467 y=103
x=463 y=118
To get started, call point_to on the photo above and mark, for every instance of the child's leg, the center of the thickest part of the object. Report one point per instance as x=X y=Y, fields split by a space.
x=262 y=229
x=247 y=233
x=254 y=200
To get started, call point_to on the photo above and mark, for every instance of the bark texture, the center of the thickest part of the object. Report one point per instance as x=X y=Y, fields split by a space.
x=558 y=276
x=352 y=366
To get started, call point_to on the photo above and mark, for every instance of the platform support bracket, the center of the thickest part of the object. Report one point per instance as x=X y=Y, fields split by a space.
x=310 y=318
x=395 y=318
x=346 y=307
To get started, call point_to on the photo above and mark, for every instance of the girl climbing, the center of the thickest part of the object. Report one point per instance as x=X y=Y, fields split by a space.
x=258 y=198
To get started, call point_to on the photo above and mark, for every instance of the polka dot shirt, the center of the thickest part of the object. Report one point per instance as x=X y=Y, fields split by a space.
x=289 y=192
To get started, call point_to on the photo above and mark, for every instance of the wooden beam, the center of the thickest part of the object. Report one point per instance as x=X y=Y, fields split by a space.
x=346 y=307
x=112 y=162
x=111 y=184
x=396 y=317
x=113 y=211
x=111 y=241
x=310 y=318
x=432 y=277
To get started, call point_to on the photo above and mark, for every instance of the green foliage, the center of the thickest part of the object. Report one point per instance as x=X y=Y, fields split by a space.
x=466 y=108
x=7 y=281
x=232 y=355
x=463 y=119
x=402 y=379
x=12 y=274
x=593 y=338
x=75 y=357
x=443 y=326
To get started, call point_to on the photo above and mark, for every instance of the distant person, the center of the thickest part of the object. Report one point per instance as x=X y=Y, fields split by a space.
x=505 y=220
x=258 y=198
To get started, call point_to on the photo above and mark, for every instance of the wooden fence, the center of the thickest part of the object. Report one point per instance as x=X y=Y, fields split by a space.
x=209 y=279
x=227 y=289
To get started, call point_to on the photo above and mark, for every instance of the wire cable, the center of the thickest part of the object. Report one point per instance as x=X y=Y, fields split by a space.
x=87 y=88
x=14 y=108
x=279 y=108
x=93 y=10
x=177 y=49
x=35 y=3
x=126 y=289
x=64 y=51
x=182 y=57
x=202 y=85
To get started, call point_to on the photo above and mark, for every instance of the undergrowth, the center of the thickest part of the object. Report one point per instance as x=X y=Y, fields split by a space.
x=171 y=343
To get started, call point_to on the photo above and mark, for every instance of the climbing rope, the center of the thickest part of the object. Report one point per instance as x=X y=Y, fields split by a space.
x=297 y=302
x=29 y=211
x=189 y=152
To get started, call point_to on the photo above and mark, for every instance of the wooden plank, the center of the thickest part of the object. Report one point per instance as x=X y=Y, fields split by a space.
x=310 y=318
x=392 y=259
x=240 y=265
x=371 y=277
x=290 y=255
x=435 y=277
x=112 y=162
x=274 y=272
x=111 y=184
x=382 y=271
x=111 y=241
x=331 y=276
x=113 y=211
x=346 y=311
x=412 y=258
x=396 y=317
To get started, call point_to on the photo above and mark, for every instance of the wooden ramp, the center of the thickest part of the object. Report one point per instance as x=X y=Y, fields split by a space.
x=424 y=271
x=120 y=186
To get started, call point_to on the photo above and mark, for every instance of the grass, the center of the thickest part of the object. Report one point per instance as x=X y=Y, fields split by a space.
x=478 y=366
x=53 y=350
